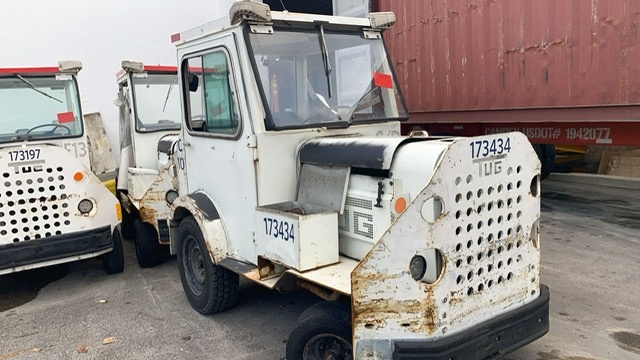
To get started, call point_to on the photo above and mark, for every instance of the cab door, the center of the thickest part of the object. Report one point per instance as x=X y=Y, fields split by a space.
x=216 y=157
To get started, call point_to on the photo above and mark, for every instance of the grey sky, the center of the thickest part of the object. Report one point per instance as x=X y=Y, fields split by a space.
x=100 y=33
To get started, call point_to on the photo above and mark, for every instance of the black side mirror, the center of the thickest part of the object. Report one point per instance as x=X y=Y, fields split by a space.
x=194 y=81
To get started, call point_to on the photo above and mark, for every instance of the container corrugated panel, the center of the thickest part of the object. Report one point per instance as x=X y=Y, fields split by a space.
x=506 y=54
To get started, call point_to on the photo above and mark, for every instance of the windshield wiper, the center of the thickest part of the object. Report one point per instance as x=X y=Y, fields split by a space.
x=34 y=88
x=169 y=92
x=325 y=58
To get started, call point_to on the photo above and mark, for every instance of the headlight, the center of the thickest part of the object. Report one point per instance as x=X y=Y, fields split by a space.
x=85 y=206
x=171 y=196
x=418 y=267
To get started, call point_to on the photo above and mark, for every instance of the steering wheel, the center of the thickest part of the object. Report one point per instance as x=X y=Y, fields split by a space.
x=55 y=126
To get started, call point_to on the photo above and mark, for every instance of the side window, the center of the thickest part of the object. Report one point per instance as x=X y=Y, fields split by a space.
x=212 y=105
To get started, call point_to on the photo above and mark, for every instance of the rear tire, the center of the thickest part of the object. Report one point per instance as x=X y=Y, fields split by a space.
x=149 y=252
x=209 y=288
x=127 y=225
x=547 y=155
x=323 y=331
x=113 y=262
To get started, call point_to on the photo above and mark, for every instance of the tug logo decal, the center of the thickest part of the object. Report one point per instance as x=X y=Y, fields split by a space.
x=26 y=167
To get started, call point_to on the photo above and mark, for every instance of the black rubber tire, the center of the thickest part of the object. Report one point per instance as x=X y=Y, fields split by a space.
x=328 y=322
x=113 y=261
x=547 y=155
x=209 y=288
x=127 y=225
x=149 y=252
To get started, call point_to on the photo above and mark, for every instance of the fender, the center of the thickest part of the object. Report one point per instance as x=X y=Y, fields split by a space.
x=153 y=206
x=208 y=218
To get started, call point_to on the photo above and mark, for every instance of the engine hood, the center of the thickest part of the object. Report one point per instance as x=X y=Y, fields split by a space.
x=362 y=152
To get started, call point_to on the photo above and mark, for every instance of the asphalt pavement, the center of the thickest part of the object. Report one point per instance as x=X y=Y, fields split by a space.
x=590 y=258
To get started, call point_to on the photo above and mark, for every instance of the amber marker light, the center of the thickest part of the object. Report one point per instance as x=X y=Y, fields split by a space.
x=79 y=176
x=401 y=204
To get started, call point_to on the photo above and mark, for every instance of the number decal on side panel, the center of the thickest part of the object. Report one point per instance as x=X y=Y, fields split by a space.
x=24 y=155
x=78 y=149
x=279 y=229
x=486 y=148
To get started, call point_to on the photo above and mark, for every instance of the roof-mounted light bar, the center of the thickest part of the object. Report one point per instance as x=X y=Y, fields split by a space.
x=250 y=11
x=382 y=20
x=132 y=66
x=70 y=66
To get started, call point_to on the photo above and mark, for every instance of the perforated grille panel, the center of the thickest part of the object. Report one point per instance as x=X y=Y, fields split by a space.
x=34 y=204
x=489 y=236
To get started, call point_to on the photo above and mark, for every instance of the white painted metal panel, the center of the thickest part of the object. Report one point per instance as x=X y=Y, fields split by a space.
x=206 y=158
x=297 y=235
x=487 y=234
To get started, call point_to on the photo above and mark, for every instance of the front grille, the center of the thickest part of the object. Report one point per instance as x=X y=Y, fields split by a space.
x=34 y=204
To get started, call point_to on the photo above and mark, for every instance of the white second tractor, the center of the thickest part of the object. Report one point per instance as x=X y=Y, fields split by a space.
x=53 y=209
x=149 y=104
x=292 y=173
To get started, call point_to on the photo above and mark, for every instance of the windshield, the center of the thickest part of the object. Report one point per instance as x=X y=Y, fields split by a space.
x=313 y=80
x=39 y=107
x=157 y=102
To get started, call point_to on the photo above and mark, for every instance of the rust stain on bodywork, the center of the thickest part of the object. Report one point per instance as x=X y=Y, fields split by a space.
x=415 y=315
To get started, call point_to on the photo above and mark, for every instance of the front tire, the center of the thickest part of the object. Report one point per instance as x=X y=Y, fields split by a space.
x=209 y=288
x=323 y=331
x=149 y=252
x=113 y=262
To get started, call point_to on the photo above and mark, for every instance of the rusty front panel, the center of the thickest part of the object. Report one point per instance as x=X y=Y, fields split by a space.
x=499 y=54
x=487 y=233
x=153 y=205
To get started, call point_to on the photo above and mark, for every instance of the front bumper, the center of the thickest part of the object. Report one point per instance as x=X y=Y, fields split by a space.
x=55 y=247
x=489 y=340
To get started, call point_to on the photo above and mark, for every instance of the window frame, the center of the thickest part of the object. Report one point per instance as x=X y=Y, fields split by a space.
x=186 y=94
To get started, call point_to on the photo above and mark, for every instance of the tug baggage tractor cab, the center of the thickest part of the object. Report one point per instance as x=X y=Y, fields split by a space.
x=150 y=116
x=292 y=173
x=53 y=209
